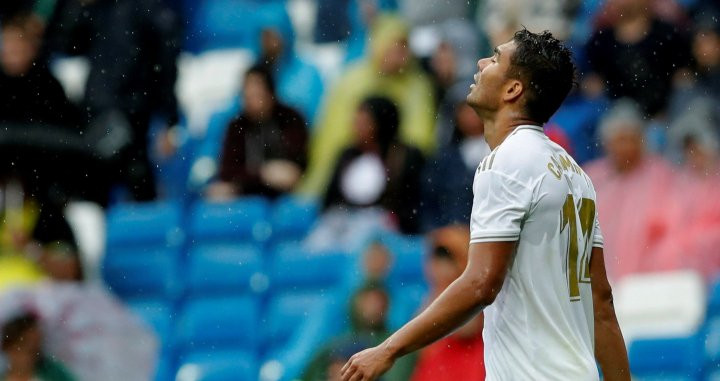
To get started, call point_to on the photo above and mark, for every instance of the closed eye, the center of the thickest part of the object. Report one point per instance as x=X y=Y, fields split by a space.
x=496 y=55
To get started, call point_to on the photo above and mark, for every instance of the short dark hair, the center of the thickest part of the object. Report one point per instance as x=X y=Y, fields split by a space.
x=546 y=68
x=386 y=117
x=265 y=73
x=13 y=330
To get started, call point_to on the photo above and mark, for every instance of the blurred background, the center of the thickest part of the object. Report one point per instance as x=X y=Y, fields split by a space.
x=257 y=189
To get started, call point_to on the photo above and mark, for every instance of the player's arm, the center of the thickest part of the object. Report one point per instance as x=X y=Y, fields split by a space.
x=475 y=289
x=610 y=350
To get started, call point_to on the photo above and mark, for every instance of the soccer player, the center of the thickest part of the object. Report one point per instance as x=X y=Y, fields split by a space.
x=536 y=262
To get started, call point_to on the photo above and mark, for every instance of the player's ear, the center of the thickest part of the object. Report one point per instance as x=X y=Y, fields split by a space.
x=513 y=90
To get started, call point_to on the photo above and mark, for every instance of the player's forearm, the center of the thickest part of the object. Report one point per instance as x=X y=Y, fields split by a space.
x=610 y=349
x=456 y=305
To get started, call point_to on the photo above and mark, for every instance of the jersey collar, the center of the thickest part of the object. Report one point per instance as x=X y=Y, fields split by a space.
x=528 y=127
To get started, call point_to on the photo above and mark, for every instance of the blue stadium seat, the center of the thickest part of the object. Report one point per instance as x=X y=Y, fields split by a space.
x=220 y=24
x=241 y=220
x=208 y=148
x=219 y=366
x=294 y=268
x=158 y=315
x=164 y=370
x=224 y=268
x=305 y=334
x=172 y=172
x=714 y=299
x=146 y=224
x=143 y=273
x=286 y=312
x=409 y=258
x=667 y=358
x=292 y=217
x=712 y=345
x=219 y=322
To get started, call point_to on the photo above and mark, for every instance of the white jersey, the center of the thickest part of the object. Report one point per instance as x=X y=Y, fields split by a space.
x=541 y=325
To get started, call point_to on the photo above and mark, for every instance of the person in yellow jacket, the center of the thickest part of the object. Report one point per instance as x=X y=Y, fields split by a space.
x=16 y=225
x=388 y=70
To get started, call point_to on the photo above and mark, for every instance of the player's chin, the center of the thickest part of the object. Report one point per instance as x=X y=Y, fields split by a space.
x=472 y=98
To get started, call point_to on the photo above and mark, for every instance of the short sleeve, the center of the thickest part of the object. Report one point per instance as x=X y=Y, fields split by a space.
x=500 y=204
x=597 y=235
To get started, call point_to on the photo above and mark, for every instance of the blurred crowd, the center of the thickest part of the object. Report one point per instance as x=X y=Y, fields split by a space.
x=387 y=141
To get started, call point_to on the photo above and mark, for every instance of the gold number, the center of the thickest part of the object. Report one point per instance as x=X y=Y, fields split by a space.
x=569 y=218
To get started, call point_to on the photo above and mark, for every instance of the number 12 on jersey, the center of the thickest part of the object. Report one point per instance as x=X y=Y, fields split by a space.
x=569 y=218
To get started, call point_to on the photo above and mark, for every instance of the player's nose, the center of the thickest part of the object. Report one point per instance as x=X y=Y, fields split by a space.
x=482 y=63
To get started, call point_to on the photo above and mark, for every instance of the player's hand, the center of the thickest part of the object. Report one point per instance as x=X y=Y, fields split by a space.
x=367 y=365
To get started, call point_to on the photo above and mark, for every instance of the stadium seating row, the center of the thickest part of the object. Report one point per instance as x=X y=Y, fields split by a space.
x=227 y=288
x=230 y=280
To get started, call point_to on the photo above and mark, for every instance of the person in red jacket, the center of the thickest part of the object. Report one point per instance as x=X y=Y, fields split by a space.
x=458 y=356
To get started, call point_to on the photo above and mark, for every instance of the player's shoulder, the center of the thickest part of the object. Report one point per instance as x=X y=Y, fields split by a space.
x=519 y=153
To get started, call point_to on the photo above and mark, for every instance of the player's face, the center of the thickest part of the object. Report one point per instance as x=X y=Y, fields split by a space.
x=486 y=92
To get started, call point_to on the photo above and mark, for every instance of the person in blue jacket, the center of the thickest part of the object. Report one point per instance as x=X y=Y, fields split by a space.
x=299 y=84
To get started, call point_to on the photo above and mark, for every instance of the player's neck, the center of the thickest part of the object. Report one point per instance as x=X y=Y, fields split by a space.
x=502 y=124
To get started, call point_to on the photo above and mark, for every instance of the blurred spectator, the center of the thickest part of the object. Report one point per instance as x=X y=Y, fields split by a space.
x=68 y=311
x=454 y=62
x=31 y=95
x=448 y=257
x=55 y=248
x=22 y=341
x=632 y=193
x=670 y=11
x=68 y=308
x=37 y=119
x=132 y=47
x=693 y=238
x=460 y=355
x=17 y=271
x=419 y=13
x=705 y=83
x=18 y=220
x=342 y=350
x=377 y=261
x=264 y=151
x=368 y=314
x=299 y=84
x=388 y=70
x=333 y=21
x=61 y=261
x=456 y=357
x=51 y=227
x=361 y=15
x=501 y=18
x=706 y=51
x=637 y=56
x=448 y=176
x=35 y=242
x=378 y=169
x=574 y=125
x=558 y=136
